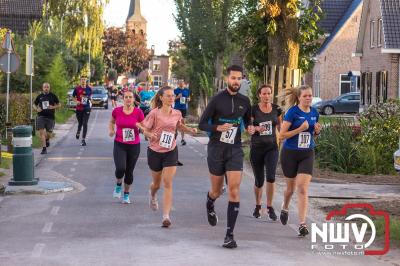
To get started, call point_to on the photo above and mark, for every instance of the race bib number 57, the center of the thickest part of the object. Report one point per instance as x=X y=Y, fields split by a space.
x=304 y=140
x=166 y=139
x=229 y=136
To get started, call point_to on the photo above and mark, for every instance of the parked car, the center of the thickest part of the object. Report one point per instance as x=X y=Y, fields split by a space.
x=345 y=103
x=316 y=100
x=99 y=97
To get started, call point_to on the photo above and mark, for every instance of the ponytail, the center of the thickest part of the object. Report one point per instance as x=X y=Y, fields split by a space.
x=156 y=101
x=290 y=96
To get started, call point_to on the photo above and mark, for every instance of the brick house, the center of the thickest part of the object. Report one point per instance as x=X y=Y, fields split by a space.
x=16 y=15
x=378 y=48
x=160 y=71
x=335 y=71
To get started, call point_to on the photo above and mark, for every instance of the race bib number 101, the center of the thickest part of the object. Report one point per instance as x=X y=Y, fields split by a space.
x=229 y=136
x=166 y=139
x=304 y=140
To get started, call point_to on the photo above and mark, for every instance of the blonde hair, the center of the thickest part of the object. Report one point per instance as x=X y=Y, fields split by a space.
x=290 y=96
x=156 y=100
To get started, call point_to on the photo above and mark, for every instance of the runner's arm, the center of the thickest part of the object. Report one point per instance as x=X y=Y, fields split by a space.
x=206 y=117
x=286 y=134
x=111 y=127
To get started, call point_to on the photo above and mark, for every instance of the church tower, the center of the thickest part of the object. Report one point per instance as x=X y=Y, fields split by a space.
x=135 y=22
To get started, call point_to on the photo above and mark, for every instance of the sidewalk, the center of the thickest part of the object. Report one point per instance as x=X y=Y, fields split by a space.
x=50 y=181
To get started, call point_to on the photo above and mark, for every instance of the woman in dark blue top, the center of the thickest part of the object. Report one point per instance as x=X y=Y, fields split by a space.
x=266 y=118
x=300 y=125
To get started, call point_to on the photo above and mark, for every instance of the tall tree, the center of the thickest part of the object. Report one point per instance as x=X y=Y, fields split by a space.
x=125 y=51
x=291 y=26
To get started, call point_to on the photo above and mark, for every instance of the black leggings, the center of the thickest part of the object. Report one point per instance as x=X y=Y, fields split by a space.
x=262 y=158
x=125 y=158
x=83 y=118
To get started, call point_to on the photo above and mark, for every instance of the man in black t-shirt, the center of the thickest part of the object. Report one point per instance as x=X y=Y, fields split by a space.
x=45 y=104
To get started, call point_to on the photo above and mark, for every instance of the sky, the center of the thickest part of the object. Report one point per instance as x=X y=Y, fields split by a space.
x=161 y=26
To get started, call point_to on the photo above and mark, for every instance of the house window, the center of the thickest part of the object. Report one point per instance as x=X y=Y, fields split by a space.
x=156 y=65
x=345 y=83
x=372 y=33
x=379 y=33
x=157 y=80
x=363 y=86
x=369 y=88
x=378 y=88
x=384 y=82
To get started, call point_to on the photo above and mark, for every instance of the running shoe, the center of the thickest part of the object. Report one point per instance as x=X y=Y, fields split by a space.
x=229 y=242
x=117 y=192
x=47 y=143
x=256 y=213
x=44 y=151
x=178 y=163
x=153 y=202
x=284 y=216
x=212 y=217
x=183 y=142
x=77 y=135
x=126 y=199
x=271 y=214
x=83 y=143
x=166 y=222
x=303 y=230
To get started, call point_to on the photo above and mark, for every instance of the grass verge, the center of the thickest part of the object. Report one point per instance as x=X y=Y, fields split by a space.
x=63 y=114
x=5 y=163
x=394 y=228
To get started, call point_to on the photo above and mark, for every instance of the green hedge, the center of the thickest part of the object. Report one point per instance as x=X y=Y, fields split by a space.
x=19 y=111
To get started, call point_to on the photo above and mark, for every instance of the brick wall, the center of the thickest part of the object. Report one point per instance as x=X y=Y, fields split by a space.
x=337 y=58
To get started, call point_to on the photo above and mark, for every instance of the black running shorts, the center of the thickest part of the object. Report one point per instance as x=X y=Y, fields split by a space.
x=159 y=160
x=297 y=162
x=222 y=158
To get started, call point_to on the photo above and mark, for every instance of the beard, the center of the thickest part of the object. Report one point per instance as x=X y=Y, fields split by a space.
x=233 y=88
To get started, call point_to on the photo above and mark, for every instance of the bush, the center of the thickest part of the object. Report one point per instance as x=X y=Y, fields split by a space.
x=19 y=111
x=380 y=125
x=364 y=149
x=336 y=147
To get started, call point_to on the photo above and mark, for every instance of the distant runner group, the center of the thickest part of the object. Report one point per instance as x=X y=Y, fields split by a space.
x=159 y=116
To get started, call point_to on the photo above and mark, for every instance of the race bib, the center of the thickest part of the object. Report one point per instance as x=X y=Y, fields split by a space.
x=166 y=139
x=304 y=140
x=84 y=100
x=182 y=100
x=128 y=134
x=45 y=105
x=112 y=94
x=268 y=126
x=229 y=136
x=146 y=103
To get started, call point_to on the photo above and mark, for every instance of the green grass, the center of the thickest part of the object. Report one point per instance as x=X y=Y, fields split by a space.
x=36 y=143
x=5 y=163
x=394 y=228
x=63 y=114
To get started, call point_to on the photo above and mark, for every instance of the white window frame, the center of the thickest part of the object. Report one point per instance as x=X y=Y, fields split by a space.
x=379 y=33
x=340 y=83
x=317 y=86
x=159 y=80
x=372 y=33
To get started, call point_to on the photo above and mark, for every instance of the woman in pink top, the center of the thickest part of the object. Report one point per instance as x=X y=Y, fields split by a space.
x=126 y=143
x=160 y=127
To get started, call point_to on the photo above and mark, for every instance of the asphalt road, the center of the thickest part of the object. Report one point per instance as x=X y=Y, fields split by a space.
x=89 y=227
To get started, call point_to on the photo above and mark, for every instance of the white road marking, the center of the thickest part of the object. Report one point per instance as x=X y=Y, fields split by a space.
x=47 y=227
x=93 y=123
x=54 y=210
x=61 y=196
x=82 y=149
x=72 y=169
x=37 y=250
x=75 y=163
x=79 y=153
